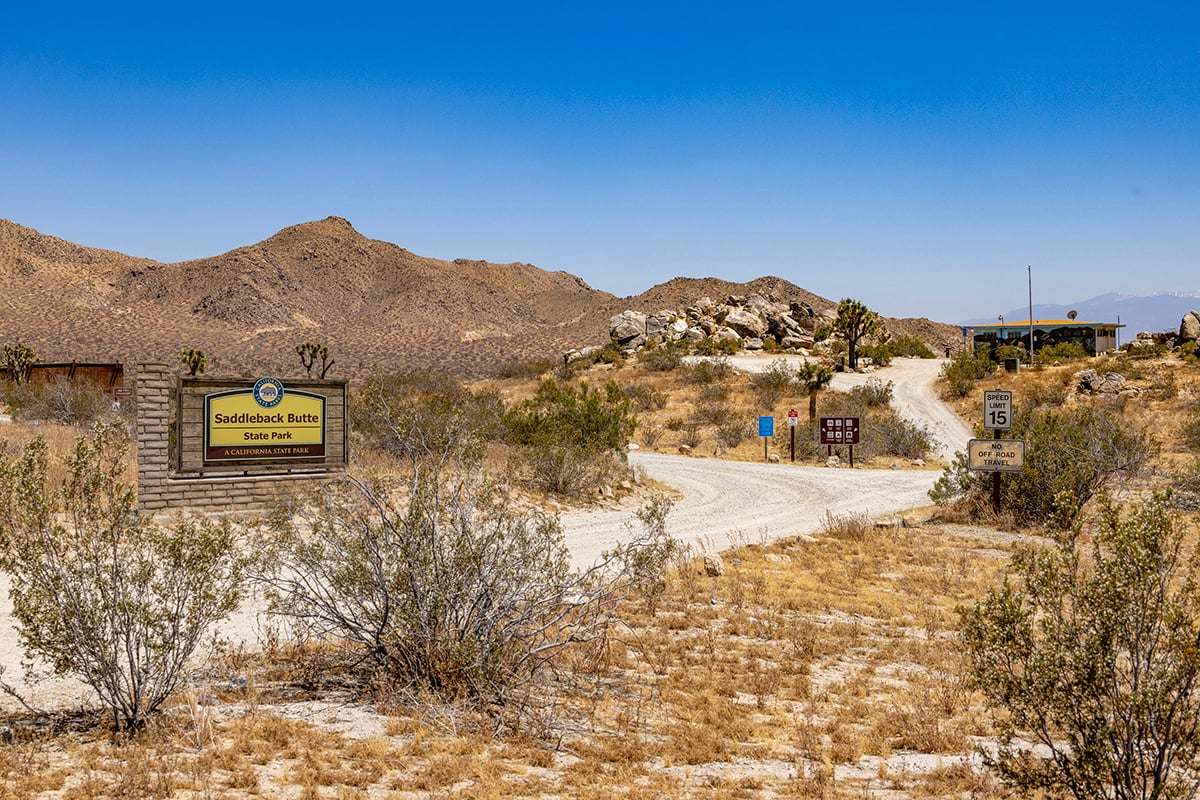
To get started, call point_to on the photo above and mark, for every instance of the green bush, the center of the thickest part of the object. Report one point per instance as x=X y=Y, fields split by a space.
x=567 y=438
x=440 y=585
x=1071 y=453
x=1063 y=351
x=426 y=418
x=100 y=592
x=706 y=371
x=708 y=346
x=1092 y=651
x=663 y=356
x=874 y=392
x=966 y=369
x=1006 y=352
x=777 y=380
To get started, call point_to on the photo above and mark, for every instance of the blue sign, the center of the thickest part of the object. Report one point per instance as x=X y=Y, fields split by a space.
x=766 y=426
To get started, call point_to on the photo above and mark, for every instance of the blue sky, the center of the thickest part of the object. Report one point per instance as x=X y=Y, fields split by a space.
x=914 y=156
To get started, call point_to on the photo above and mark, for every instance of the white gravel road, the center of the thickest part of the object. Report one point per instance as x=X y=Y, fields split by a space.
x=725 y=503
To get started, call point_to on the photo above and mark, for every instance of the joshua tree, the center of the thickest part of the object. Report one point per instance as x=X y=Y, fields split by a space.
x=16 y=360
x=855 y=321
x=815 y=377
x=309 y=352
x=194 y=359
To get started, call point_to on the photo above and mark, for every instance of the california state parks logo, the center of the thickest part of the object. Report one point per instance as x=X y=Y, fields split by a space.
x=268 y=392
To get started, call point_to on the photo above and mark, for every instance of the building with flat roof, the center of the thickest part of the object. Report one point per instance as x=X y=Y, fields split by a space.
x=1094 y=337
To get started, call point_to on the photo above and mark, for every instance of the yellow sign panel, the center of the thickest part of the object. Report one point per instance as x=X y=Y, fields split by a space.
x=263 y=423
x=996 y=455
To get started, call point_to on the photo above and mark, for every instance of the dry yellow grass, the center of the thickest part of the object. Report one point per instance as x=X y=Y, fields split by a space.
x=825 y=666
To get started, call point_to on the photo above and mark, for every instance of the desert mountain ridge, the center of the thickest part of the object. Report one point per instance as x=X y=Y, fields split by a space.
x=373 y=302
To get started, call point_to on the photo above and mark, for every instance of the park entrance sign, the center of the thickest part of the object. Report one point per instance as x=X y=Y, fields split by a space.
x=264 y=421
x=259 y=426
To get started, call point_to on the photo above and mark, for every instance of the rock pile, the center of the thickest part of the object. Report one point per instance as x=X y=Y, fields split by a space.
x=1189 y=327
x=746 y=320
x=1092 y=382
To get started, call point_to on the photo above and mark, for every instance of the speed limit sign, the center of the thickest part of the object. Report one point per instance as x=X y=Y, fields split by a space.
x=997 y=410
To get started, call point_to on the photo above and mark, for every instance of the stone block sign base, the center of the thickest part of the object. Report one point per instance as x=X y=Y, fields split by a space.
x=162 y=489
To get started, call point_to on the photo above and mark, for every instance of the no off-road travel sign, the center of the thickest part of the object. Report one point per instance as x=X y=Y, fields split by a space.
x=996 y=455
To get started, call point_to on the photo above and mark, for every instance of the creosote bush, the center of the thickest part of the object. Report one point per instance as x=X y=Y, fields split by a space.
x=100 y=592
x=1071 y=453
x=444 y=587
x=1092 y=648
x=569 y=440
x=965 y=369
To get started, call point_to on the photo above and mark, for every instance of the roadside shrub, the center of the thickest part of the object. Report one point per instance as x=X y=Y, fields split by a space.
x=879 y=354
x=708 y=346
x=909 y=347
x=444 y=587
x=663 y=356
x=1071 y=453
x=875 y=393
x=733 y=431
x=645 y=397
x=426 y=418
x=965 y=369
x=100 y=592
x=894 y=435
x=1092 y=650
x=525 y=368
x=1008 y=351
x=1063 y=351
x=60 y=401
x=779 y=379
x=706 y=371
x=568 y=439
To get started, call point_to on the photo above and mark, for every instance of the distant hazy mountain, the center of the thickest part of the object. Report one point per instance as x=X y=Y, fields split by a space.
x=1155 y=313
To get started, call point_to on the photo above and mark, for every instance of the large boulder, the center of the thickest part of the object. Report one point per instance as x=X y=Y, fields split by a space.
x=627 y=327
x=746 y=323
x=1189 y=327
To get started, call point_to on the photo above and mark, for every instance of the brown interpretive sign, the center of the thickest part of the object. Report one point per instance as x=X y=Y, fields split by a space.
x=839 y=430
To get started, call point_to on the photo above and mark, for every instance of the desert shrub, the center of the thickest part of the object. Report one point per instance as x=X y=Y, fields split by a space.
x=525 y=368
x=823 y=332
x=426 y=418
x=1092 y=649
x=1063 y=351
x=663 y=356
x=874 y=393
x=771 y=345
x=909 y=347
x=691 y=435
x=16 y=359
x=444 y=587
x=713 y=410
x=567 y=438
x=1189 y=431
x=965 y=369
x=879 y=354
x=706 y=371
x=1071 y=453
x=645 y=397
x=1140 y=349
x=59 y=401
x=708 y=346
x=1189 y=350
x=1009 y=351
x=732 y=431
x=776 y=381
x=894 y=435
x=103 y=593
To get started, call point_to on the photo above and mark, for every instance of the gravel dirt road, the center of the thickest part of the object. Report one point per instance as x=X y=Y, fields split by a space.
x=726 y=503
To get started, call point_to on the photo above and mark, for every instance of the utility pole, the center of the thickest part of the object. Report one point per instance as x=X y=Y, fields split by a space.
x=1029 y=268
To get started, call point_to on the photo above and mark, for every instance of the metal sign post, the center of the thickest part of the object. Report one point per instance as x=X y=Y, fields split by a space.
x=793 y=421
x=766 y=429
x=996 y=455
x=839 y=430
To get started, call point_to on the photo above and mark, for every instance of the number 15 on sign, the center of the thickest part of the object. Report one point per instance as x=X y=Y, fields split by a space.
x=997 y=410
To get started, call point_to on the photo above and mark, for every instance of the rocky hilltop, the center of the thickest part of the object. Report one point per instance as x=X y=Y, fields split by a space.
x=373 y=303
